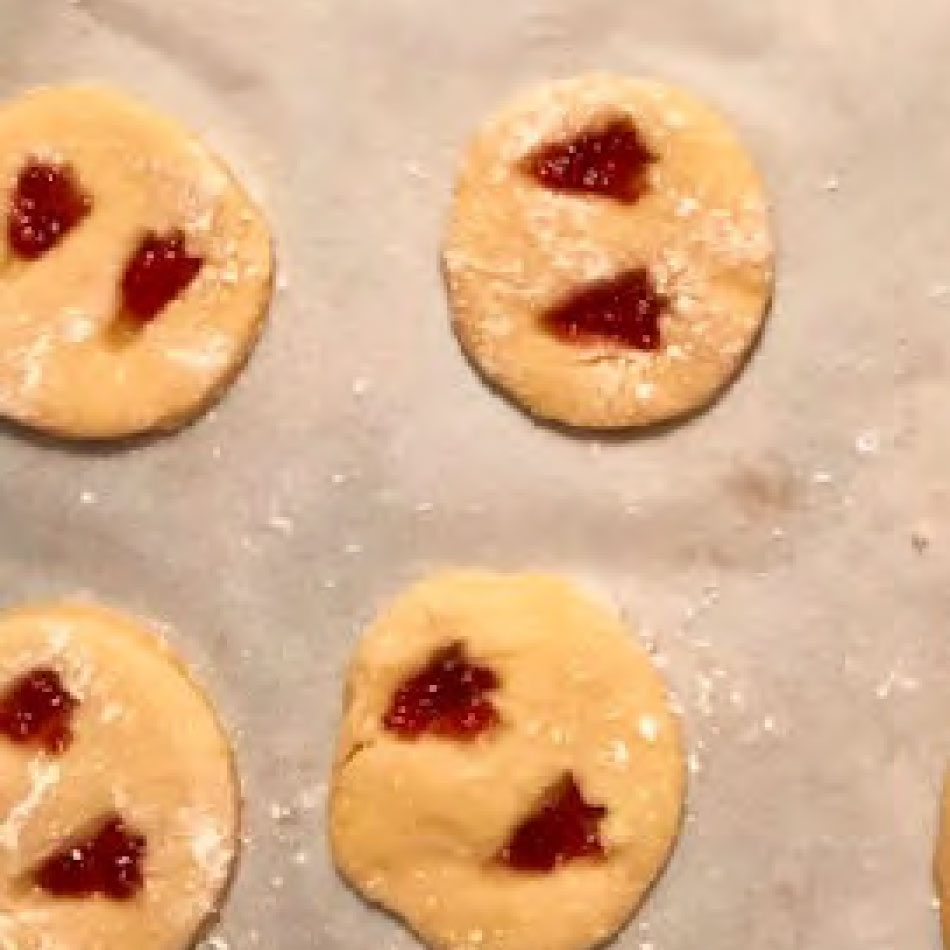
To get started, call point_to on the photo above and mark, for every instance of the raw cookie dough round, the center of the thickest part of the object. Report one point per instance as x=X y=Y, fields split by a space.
x=516 y=249
x=417 y=825
x=942 y=862
x=145 y=745
x=69 y=365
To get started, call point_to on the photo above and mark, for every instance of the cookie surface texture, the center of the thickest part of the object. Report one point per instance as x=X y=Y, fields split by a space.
x=608 y=257
x=135 y=272
x=471 y=836
x=141 y=751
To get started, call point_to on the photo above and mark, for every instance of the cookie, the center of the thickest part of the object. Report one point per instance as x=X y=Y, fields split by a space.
x=509 y=774
x=608 y=255
x=119 y=803
x=134 y=270
x=942 y=863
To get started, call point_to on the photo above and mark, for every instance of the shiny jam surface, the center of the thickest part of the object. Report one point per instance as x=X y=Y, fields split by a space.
x=563 y=827
x=37 y=708
x=611 y=161
x=108 y=862
x=47 y=203
x=447 y=698
x=625 y=309
x=160 y=269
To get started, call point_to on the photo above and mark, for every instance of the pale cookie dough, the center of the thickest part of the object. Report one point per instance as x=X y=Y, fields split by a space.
x=63 y=368
x=514 y=249
x=417 y=825
x=146 y=745
x=942 y=863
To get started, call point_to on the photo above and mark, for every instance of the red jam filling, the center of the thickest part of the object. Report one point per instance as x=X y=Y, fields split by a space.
x=37 y=708
x=158 y=272
x=625 y=309
x=447 y=698
x=47 y=203
x=562 y=828
x=108 y=862
x=611 y=162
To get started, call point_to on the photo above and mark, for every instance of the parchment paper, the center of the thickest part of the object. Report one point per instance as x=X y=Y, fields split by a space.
x=787 y=551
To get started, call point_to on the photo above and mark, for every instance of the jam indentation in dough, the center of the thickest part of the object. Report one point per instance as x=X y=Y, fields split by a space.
x=625 y=310
x=562 y=828
x=160 y=270
x=37 y=708
x=611 y=161
x=46 y=204
x=447 y=698
x=107 y=862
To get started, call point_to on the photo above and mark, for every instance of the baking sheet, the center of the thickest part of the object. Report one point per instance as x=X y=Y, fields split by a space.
x=787 y=551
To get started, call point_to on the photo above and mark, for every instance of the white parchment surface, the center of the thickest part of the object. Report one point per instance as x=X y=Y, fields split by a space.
x=788 y=551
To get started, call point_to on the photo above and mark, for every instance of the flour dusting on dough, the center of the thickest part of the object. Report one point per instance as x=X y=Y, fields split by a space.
x=43 y=775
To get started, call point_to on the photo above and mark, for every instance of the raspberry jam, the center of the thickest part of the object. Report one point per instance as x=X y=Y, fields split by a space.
x=108 y=862
x=611 y=162
x=562 y=828
x=47 y=203
x=624 y=309
x=37 y=708
x=447 y=698
x=158 y=272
